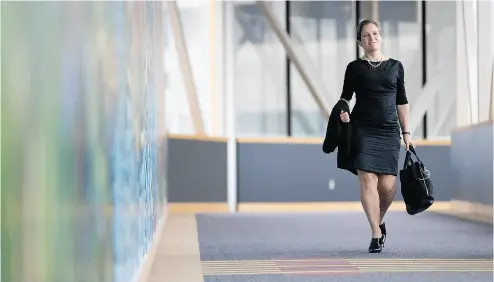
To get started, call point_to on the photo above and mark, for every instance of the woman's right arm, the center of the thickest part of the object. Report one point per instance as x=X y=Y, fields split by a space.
x=347 y=92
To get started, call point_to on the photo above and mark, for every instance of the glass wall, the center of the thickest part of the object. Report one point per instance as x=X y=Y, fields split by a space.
x=441 y=65
x=259 y=71
x=178 y=114
x=82 y=136
x=401 y=23
x=324 y=32
x=485 y=37
x=197 y=18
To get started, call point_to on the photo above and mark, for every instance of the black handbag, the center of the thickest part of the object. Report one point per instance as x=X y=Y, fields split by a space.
x=416 y=184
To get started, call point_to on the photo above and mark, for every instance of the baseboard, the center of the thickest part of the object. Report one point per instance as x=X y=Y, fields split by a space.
x=473 y=211
x=467 y=210
x=145 y=269
x=202 y=207
x=199 y=207
x=324 y=206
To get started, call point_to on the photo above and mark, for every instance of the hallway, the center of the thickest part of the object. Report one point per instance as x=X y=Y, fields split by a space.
x=181 y=141
x=322 y=247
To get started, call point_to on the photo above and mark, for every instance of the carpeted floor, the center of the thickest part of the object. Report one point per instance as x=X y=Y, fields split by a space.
x=333 y=247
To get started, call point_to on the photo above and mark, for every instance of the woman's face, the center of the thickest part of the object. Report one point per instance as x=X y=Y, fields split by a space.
x=370 y=38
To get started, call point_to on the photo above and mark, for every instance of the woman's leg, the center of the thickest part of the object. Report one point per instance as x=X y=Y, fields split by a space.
x=386 y=187
x=369 y=197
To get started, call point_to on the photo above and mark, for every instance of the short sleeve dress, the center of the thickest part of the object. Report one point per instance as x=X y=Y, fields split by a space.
x=376 y=138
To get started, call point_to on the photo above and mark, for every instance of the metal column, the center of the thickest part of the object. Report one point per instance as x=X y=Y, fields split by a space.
x=185 y=67
x=369 y=10
x=229 y=80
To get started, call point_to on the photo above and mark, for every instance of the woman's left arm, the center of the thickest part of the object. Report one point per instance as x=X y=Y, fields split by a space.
x=403 y=116
x=402 y=106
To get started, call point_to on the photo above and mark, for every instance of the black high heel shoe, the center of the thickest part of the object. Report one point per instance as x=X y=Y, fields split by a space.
x=375 y=245
x=383 y=234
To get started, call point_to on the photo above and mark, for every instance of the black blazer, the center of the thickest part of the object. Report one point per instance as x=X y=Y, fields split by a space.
x=339 y=135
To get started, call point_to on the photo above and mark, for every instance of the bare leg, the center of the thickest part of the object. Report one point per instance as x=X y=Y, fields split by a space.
x=386 y=187
x=369 y=197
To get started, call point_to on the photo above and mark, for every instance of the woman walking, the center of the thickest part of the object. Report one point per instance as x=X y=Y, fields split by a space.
x=380 y=110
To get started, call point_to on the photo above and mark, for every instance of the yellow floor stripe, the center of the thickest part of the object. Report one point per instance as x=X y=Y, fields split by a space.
x=241 y=263
x=328 y=266
x=343 y=271
x=238 y=267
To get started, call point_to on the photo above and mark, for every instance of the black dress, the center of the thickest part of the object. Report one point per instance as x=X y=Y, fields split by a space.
x=375 y=141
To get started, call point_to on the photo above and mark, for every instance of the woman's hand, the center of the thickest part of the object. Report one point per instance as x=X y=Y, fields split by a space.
x=344 y=117
x=408 y=141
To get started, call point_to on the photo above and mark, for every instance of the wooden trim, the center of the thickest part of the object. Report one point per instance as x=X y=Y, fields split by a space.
x=294 y=140
x=199 y=207
x=462 y=209
x=468 y=126
x=286 y=140
x=280 y=140
x=325 y=206
x=422 y=142
x=147 y=264
x=198 y=137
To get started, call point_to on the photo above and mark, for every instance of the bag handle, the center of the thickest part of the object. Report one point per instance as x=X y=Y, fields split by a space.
x=412 y=149
x=408 y=157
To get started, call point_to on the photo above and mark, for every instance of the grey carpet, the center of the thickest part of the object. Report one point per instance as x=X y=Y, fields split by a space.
x=345 y=236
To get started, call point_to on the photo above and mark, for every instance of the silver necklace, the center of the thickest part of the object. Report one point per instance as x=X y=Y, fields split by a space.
x=378 y=64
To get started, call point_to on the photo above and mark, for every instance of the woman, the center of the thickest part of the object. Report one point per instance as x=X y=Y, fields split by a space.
x=381 y=107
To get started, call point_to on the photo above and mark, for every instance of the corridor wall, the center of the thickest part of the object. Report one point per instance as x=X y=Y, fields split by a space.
x=472 y=169
x=279 y=174
x=82 y=139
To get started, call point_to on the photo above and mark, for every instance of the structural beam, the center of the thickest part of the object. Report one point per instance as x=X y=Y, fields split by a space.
x=307 y=60
x=449 y=105
x=425 y=99
x=185 y=66
x=315 y=87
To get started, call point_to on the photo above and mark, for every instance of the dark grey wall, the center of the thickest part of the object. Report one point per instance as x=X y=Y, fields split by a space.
x=471 y=162
x=196 y=171
x=301 y=173
x=278 y=172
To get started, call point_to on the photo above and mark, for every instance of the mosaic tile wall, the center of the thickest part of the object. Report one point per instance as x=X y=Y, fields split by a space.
x=83 y=148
